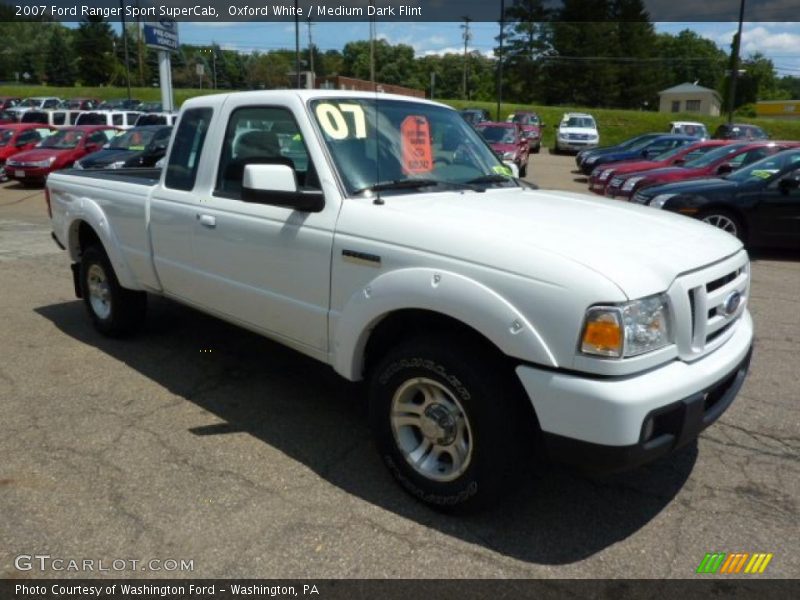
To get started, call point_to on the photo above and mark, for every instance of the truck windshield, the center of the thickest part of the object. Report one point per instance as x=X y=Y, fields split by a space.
x=62 y=140
x=134 y=139
x=378 y=141
x=498 y=135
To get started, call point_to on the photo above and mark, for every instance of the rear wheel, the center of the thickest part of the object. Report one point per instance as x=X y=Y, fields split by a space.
x=446 y=420
x=114 y=310
x=724 y=220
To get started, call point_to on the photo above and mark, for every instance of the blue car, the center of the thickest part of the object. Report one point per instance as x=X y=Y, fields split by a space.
x=646 y=148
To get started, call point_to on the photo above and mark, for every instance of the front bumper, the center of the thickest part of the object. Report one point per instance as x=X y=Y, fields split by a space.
x=603 y=424
x=27 y=173
x=575 y=145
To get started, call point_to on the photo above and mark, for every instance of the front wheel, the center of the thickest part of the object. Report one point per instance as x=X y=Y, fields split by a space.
x=724 y=220
x=444 y=417
x=114 y=310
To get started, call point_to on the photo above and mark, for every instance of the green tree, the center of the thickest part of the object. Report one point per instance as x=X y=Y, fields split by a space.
x=60 y=64
x=94 y=46
x=527 y=41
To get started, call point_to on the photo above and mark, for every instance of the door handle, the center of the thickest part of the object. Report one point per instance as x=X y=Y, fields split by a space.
x=207 y=221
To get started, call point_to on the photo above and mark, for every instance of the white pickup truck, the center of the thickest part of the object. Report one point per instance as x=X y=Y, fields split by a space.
x=381 y=235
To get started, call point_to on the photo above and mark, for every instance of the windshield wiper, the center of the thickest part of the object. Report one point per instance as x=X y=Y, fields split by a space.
x=398 y=184
x=492 y=178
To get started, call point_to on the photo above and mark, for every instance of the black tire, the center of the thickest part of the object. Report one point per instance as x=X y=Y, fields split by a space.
x=725 y=220
x=537 y=148
x=484 y=387
x=126 y=309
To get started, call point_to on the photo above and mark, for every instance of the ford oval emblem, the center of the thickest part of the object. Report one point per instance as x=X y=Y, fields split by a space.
x=732 y=303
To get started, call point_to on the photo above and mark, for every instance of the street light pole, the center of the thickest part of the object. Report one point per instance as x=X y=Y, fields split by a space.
x=125 y=46
x=500 y=57
x=296 y=46
x=737 y=42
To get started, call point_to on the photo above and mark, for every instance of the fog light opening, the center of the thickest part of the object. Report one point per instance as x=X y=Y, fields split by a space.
x=649 y=428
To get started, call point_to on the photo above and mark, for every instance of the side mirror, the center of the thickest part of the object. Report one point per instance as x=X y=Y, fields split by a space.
x=513 y=167
x=724 y=169
x=788 y=183
x=277 y=185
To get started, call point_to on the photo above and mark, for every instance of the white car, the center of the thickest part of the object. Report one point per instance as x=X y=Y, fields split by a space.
x=35 y=103
x=576 y=132
x=388 y=241
x=692 y=128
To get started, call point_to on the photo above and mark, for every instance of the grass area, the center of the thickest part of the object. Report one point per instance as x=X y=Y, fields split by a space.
x=615 y=125
x=145 y=94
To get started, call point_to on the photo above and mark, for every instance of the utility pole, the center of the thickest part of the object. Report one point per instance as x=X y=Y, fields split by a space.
x=737 y=42
x=139 y=45
x=310 y=47
x=372 y=46
x=467 y=35
x=500 y=57
x=296 y=47
x=125 y=46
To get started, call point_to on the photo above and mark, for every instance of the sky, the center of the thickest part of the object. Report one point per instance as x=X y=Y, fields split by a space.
x=778 y=41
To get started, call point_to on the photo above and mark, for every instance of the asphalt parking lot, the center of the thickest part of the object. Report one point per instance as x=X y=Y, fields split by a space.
x=197 y=441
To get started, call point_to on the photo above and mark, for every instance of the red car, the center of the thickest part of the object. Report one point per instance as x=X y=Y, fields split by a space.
x=19 y=137
x=600 y=178
x=531 y=127
x=508 y=143
x=58 y=151
x=719 y=161
x=8 y=102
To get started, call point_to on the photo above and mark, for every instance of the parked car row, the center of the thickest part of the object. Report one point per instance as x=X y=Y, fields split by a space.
x=48 y=102
x=30 y=152
x=748 y=188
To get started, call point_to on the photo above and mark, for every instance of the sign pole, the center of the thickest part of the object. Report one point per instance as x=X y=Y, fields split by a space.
x=165 y=79
x=163 y=36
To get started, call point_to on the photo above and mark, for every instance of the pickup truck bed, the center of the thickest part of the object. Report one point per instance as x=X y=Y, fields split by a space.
x=137 y=176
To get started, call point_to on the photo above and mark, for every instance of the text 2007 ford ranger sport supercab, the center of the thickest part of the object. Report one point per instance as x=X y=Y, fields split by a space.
x=381 y=235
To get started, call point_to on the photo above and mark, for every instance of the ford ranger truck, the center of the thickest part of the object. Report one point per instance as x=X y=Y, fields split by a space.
x=493 y=323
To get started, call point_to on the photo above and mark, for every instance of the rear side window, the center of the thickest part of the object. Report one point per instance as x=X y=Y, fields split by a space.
x=187 y=149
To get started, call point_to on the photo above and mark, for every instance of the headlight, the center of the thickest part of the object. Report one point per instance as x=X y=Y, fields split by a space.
x=42 y=164
x=591 y=160
x=606 y=174
x=630 y=183
x=77 y=165
x=116 y=165
x=627 y=329
x=660 y=200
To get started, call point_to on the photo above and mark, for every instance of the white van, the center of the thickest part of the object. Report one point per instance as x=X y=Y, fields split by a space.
x=159 y=118
x=122 y=119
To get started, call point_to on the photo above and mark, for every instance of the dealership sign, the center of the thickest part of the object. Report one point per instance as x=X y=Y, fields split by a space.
x=162 y=34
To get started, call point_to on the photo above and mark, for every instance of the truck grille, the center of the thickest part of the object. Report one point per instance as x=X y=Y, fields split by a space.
x=708 y=303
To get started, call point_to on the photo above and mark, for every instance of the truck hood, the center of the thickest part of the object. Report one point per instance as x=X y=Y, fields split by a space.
x=639 y=249
x=582 y=130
